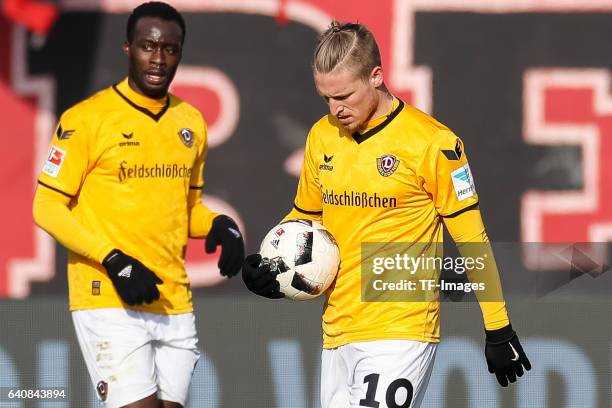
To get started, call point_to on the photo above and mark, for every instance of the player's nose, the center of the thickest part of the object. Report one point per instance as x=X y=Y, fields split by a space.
x=157 y=57
x=335 y=108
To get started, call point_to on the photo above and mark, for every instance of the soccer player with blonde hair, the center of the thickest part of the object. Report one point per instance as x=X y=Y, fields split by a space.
x=381 y=353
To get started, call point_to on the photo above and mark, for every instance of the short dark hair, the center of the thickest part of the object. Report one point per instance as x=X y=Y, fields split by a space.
x=154 y=9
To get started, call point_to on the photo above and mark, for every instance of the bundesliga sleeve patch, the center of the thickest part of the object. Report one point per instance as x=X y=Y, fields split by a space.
x=54 y=161
x=463 y=182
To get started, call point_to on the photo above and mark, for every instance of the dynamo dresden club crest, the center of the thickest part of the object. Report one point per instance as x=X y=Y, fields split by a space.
x=186 y=136
x=387 y=164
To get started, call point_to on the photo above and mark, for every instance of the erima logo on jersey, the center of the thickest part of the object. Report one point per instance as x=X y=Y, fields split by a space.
x=54 y=161
x=326 y=160
x=128 y=137
x=463 y=182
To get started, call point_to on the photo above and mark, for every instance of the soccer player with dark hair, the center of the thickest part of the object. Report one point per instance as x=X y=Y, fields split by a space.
x=373 y=144
x=121 y=189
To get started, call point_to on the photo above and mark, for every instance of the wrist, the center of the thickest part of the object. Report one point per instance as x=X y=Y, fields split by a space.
x=110 y=256
x=103 y=252
x=224 y=221
x=208 y=223
x=222 y=218
x=500 y=336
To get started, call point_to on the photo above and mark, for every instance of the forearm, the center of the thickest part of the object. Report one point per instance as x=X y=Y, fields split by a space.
x=468 y=232
x=51 y=213
x=200 y=216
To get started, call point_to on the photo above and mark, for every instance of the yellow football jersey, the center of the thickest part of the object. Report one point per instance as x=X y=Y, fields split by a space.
x=391 y=183
x=129 y=162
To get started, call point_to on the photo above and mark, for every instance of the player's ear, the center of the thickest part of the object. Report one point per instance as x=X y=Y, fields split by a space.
x=126 y=48
x=376 y=77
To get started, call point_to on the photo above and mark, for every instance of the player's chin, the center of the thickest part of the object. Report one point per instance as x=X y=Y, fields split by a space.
x=350 y=127
x=155 y=90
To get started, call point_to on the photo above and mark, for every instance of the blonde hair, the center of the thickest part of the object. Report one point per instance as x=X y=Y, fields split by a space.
x=346 y=44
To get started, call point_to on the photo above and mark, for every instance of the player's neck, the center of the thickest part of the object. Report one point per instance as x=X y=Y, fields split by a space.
x=383 y=109
x=385 y=104
x=133 y=94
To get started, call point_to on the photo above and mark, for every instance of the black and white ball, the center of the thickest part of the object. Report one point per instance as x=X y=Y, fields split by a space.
x=304 y=254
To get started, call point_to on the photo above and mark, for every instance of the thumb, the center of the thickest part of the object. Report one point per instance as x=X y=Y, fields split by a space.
x=211 y=243
x=253 y=260
x=490 y=366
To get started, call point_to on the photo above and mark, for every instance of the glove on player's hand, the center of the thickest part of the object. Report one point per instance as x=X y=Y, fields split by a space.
x=505 y=355
x=134 y=282
x=225 y=232
x=258 y=277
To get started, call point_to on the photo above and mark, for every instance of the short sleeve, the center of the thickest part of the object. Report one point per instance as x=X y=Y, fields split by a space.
x=66 y=164
x=445 y=174
x=308 y=198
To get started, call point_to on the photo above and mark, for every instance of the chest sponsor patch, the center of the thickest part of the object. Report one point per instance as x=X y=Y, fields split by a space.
x=54 y=161
x=463 y=182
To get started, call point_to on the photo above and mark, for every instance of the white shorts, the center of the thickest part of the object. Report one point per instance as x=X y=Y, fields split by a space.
x=381 y=373
x=131 y=355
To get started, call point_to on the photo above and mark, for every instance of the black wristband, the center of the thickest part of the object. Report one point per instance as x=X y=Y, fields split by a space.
x=500 y=336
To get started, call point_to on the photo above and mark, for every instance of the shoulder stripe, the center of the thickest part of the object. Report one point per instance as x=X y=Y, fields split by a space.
x=306 y=211
x=196 y=187
x=365 y=136
x=55 y=189
x=155 y=116
x=456 y=213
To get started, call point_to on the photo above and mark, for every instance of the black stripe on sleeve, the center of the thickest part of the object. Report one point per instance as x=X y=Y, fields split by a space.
x=468 y=208
x=196 y=187
x=55 y=189
x=306 y=211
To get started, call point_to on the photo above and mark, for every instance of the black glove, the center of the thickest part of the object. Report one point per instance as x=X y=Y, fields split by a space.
x=134 y=282
x=259 y=277
x=505 y=355
x=225 y=232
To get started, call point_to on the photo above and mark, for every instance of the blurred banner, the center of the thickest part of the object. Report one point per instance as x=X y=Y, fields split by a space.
x=266 y=354
x=524 y=83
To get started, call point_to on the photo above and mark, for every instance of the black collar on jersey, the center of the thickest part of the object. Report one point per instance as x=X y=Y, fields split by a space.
x=362 y=137
x=155 y=116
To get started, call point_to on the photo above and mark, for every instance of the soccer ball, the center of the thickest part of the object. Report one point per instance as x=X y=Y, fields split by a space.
x=304 y=255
